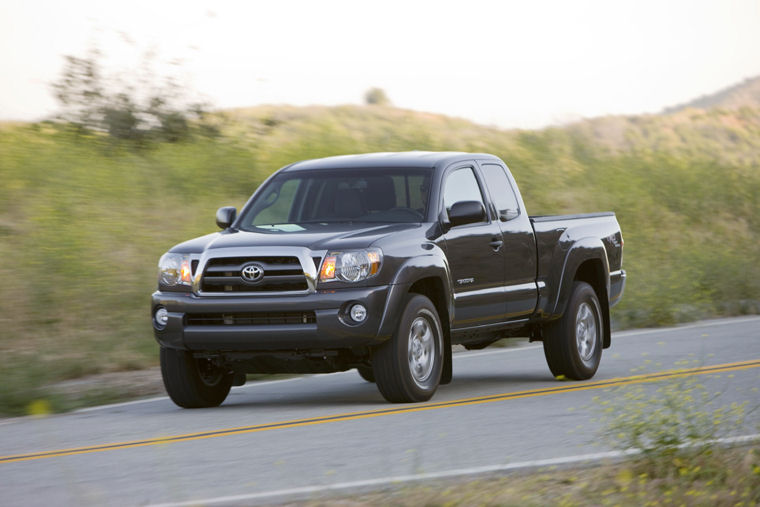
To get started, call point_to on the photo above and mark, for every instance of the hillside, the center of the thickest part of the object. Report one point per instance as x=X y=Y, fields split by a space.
x=744 y=94
x=83 y=220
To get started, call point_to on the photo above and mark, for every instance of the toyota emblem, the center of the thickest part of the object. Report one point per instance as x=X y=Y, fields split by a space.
x=252 y=273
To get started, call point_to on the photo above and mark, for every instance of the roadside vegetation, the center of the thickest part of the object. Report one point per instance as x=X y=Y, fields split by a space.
x=670 y=428
x=85 y=215
x=730 y=477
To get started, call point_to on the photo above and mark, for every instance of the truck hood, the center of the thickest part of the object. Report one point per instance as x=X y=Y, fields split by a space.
x=316 y=237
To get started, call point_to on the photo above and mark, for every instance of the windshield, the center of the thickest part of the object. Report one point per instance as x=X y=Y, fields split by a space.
x=293 y=199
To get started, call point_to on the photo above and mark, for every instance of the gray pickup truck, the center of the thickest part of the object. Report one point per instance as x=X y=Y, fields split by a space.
x=382 y=262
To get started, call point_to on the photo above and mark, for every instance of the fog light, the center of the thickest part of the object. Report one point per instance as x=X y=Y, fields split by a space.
x=358 y=313
x=160 y=318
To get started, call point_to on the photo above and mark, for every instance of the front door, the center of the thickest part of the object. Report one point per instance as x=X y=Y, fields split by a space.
x=476 y=255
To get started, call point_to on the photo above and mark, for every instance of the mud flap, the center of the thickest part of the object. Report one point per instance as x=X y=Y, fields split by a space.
x=239 y=379
x=448 y=363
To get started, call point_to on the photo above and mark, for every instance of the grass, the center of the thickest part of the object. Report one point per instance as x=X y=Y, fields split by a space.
x=733 y=480
x=83 y=220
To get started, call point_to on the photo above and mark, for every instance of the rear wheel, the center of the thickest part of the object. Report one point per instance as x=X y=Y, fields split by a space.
x=573 y=344
x=408 y=367
x=192 y=382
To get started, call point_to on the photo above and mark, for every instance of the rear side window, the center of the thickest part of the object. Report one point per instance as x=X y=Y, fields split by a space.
x=501 y=191
x=461 y=185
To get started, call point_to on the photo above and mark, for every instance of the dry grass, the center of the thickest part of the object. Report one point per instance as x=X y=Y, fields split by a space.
x=731 y=477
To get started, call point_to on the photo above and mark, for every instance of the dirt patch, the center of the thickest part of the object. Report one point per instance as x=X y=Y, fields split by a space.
x=129 y=384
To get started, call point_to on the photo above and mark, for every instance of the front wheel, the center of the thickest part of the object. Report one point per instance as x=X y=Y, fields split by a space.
x=194 y=382
x=573 y=344
x=408 y=367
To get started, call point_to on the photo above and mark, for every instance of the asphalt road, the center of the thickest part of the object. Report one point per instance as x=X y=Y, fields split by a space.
x=296 y=438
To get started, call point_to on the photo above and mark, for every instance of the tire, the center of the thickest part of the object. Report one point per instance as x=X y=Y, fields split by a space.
x=408 y=367
x=191 y=382
x=366 y=373
x=573 y=343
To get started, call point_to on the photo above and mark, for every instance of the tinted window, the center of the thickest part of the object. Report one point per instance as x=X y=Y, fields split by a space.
x=461 y=185
x=501 y=191
x=293 y=199
x=281 y=203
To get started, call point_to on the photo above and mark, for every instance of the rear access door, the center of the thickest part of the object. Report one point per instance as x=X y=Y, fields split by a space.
x=519 y=252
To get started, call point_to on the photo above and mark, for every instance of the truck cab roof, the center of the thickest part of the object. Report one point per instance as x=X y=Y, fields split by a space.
x=410 y=159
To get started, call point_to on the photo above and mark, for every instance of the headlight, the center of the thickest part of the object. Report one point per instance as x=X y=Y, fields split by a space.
x=174 y=269
x=353 y=266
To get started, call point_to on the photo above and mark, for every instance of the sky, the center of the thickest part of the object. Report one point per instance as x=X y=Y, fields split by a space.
x=522 y=64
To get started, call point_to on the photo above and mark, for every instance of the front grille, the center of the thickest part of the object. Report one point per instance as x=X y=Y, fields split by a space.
x=250 y=319
x=281 y=274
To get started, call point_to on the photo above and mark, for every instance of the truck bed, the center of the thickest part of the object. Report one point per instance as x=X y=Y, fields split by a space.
x=560 y=237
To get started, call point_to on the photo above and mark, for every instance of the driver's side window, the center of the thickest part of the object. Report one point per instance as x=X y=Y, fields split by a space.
x=461 y=185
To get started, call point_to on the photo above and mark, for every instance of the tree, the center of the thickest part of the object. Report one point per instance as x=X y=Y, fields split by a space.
x=376 y=97
x=79 y=91
x=90 y=102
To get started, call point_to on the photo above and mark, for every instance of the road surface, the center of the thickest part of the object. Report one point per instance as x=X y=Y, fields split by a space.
x=297 y=438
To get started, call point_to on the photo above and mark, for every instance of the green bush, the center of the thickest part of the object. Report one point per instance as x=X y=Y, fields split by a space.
x=376 y=97
x=674 y=426
x=674 y=418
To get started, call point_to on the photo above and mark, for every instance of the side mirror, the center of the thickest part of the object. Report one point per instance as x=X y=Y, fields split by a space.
x=466 y=212
x=225 y=216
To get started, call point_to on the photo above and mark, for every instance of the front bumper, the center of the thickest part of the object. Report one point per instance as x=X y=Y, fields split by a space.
x=331 y=328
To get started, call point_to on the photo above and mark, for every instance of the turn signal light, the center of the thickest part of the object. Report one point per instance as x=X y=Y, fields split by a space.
x=328 y=268
x=374 y=261
x=186 y=274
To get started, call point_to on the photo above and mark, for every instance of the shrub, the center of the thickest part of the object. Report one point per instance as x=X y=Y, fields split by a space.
x=673 y=426
x=89 y=102
x=376 y=97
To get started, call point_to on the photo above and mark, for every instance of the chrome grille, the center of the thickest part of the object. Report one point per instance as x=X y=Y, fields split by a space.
x=281 y=274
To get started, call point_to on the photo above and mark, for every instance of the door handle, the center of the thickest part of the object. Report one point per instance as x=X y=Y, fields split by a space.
x=496 y=244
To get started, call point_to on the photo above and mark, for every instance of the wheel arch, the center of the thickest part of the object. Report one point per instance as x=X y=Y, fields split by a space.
x=586 y=261
x=430 y=276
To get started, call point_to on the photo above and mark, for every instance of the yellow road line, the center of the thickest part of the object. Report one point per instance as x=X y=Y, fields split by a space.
x=403 y=409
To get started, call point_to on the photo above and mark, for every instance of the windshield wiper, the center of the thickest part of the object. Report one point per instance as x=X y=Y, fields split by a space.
x=329 y=222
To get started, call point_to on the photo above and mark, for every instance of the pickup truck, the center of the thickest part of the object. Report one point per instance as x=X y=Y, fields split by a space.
x=381 y=262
